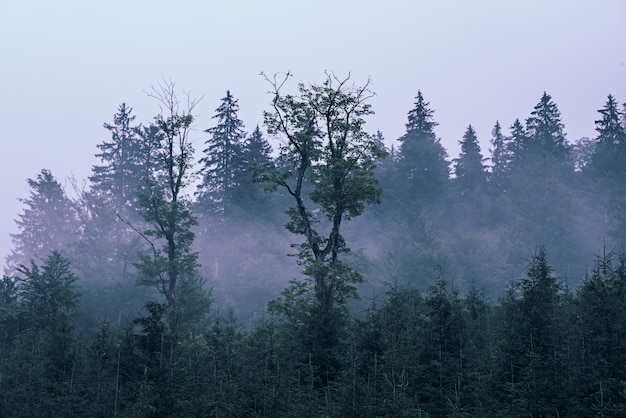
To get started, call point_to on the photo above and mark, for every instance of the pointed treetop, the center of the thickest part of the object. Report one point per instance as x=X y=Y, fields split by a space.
x=500 y=151
x=469 y=166
x=420 y=118
x=544 y=125
x=609 y=127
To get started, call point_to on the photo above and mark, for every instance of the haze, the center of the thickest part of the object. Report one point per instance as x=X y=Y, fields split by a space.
x=67 y=65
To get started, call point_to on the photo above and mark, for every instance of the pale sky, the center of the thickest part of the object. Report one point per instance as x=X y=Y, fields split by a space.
x=65 y=66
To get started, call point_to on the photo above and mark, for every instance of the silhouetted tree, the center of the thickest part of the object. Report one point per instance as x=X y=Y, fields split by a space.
x=223 y=159
x=422 y=159
x=48 y=222
x=327 y=150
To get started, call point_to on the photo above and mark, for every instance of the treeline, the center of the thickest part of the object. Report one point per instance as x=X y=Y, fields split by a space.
x=542 y=350
x=146 y=293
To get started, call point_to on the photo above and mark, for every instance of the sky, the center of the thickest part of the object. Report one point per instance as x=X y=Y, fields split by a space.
x=65 y=66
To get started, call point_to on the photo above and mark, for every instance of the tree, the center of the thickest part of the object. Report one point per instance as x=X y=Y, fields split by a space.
x=127 y=159
x=470 y=169
x=223 y=159
x=607 y=161
x=500 y=153
x=165 y=208
x=533 y=344
x=518 y=140
x=48 y=222
x=247 y=197
x=49 y=293
x=327 y=153
x=45 y=351
x=422 y=166
x=545 y=131
x=601 y=309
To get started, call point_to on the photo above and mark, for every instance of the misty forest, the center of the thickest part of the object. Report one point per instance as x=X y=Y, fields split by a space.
x=310 y=267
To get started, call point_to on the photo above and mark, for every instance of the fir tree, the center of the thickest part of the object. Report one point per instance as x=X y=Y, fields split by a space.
x=500 y=151
x=224 y=159
x=545 y=131
x=48 y=222
x=128 y=158
x=470 y=169
x=422 y=166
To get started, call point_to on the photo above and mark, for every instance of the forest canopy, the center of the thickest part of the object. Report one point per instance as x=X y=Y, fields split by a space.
x=313 y=267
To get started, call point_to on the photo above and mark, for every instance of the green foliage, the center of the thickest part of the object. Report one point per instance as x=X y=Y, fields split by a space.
x=327 y=152
x=224 y=159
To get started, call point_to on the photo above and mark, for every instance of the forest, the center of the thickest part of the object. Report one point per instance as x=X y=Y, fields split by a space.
x=312 y=268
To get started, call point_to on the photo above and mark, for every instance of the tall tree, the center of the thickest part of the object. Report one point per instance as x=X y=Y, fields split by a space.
x=327 y=153
x=422 y=166
x=48 y=222
x=470 y=168
x=608 y=159
x=128 y=158
x=545 y=132
x=500 y=151
x=600 y=338
x=607 y=168
x=172 y=263
x=247 y=197
x=533 y=344
x=223 y=159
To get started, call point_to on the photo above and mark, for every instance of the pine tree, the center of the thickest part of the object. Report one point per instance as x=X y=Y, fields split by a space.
x=422 y=159
x=127 y=158
x=608 y=159
x=533 y=344
x=224 y=159
x=519 y=140
x=469 y=168
x=500 y=151
x=247 y=197
x=545 y=132
x=600 y=337
x=48 y=222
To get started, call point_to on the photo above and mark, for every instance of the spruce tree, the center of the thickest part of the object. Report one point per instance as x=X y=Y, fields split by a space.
x=470 y=168
x=546 y=132
x=500 y=152
x=48 y=223
x=608 y=158
x=128 y=158
x=422 y=159
x=224 y=159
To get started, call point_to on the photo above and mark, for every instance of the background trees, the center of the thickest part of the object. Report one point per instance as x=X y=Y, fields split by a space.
x=48 y=223
x=432 y=337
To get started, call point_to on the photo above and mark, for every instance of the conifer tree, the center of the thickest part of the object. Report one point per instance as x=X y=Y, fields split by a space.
x=247 y=197
x=545 y=132
x=224 y=158
x=500 y=151
x=469 y=168
x=128 y=158
x=608 y=158
x=422 y=159
x=48 y=222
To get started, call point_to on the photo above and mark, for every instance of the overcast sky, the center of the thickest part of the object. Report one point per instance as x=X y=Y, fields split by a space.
x=65 y=66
